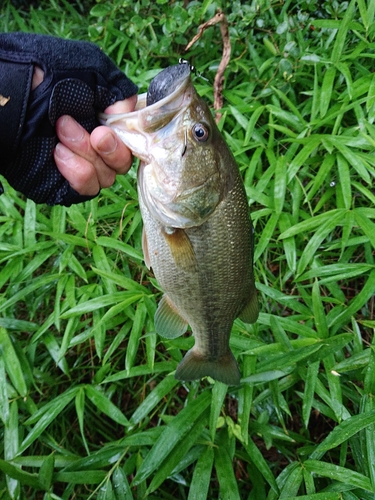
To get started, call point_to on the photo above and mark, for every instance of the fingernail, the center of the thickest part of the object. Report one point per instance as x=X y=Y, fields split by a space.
x=63 y=152
x=107 y=144
x=71 y=130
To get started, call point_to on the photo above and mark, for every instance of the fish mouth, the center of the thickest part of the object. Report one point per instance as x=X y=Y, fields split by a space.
x=167 y=96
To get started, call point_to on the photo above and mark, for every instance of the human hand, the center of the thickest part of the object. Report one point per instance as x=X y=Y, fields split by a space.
x=56 y=152
x=89 y=162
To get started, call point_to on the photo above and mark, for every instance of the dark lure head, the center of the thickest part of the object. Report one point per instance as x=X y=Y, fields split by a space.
x=166 y=82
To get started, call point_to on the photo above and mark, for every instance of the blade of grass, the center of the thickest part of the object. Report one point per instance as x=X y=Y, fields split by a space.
x=366 y=225
x=153 y=399
x=292 y=482
x=46 y=472
x=280 y=184
x=4 y=401
x=175 y=458
x=102 y=403
x=80 y=410
x=135 y=334
x=245 y=397
x=337 y=320
x=121 y=485
x=345 y=181
x=342 y=33
x=12 y=363
x=326 y=90
x=172 y=435
x=261 y=464
x=316 y=240
x=20 y=475
x=341 y=474
x=45 y=417
x=342 y=432
x=218 y=394
x=200 y=482
x=224 y=467
x=266 y=236
x=308 y=395
x=103 y=301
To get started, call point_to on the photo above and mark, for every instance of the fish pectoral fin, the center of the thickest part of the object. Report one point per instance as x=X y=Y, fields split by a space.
x=195 y=366
x=181 y=249
x=250 y=312
x=168 y=322
x=146 y=255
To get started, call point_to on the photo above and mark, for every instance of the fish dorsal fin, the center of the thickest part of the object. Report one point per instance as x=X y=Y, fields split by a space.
x=250 y=312
x=168 y=323
x=146 y=255
x=181 y=249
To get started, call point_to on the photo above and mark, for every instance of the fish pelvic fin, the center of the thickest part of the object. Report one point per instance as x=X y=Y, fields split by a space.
x=195 y=366
x=181 y=249
x=250 y=312
x=168 y=322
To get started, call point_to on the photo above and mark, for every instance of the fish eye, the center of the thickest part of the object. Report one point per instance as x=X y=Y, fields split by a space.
x=201 y=132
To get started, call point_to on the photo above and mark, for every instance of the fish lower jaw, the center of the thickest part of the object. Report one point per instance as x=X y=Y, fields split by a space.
x=195 y=366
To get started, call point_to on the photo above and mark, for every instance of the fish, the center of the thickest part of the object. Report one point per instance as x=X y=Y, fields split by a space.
x=197 y=231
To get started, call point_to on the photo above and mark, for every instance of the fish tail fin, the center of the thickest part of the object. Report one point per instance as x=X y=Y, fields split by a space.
x=195 y=366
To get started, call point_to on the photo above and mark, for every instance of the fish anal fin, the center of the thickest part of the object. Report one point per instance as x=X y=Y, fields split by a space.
x=168 y=323
x=181 y=249
x=195 y=366
x=146 y=255
x=250 y=312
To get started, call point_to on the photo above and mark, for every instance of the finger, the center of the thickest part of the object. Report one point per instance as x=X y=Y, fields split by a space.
x=111 y=149
x=79 y=172
x=74 y=137
x=125 y=106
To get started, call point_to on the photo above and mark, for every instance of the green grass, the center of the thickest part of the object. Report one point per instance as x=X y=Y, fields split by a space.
x=89 y=407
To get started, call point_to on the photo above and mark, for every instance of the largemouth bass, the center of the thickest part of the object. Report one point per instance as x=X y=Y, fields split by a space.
x=198 y=236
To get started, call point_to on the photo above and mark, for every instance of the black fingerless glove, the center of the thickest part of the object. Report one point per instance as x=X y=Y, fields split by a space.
x=79 y=80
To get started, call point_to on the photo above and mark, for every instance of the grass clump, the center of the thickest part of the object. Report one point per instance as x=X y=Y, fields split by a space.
x=88 y=405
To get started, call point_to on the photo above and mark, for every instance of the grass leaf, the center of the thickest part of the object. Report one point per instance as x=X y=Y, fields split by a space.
x=224 y=468
x=344 y=431
x=105 y=405
x=172 y=435
x=121 y=485
x=12 y=363
x=45 y=416
x=154 y=398
x=337 y=473
x=200 y=482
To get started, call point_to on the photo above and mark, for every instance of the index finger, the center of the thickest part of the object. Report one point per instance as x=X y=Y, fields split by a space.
x=125 y=106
